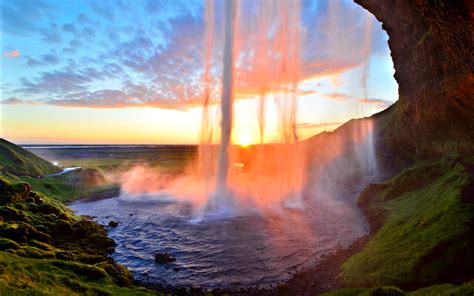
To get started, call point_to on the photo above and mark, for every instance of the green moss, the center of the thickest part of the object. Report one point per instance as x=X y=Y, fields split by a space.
x=33 y=252
x=6 y=244
x=29 y=276
x=466 y=289
x=425 y=229
x=46 y=250
x=12 y=193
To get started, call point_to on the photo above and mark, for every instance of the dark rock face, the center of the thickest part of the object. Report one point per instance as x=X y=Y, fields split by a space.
x=113 y=224
x=431 y=43
x=163 y=258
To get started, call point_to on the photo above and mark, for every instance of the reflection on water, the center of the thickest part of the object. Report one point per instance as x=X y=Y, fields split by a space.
x=228 y=251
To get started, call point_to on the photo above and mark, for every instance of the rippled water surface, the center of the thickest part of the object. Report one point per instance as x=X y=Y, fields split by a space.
x=237 y=251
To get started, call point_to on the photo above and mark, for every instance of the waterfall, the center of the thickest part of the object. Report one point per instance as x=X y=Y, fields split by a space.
x=227 y=98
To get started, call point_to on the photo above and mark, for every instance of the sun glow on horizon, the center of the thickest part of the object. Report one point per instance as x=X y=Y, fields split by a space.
x=244 y=140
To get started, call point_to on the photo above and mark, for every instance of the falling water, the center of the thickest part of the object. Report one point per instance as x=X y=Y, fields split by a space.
x=227 y=97
x=260 y=59
x=272 y=72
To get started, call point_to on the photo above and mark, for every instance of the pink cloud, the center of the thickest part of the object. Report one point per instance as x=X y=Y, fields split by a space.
x=380 y=103
x=338 y=97
x=12 y=54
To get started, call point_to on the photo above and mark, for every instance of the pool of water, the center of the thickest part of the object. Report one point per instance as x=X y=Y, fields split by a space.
x=226 y=251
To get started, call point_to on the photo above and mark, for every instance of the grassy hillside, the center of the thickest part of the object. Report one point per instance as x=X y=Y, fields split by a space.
x=46 y=250
x=437 y=290
x=426 y=234
x=20 y=165
x=18 y=161
x=68 y=187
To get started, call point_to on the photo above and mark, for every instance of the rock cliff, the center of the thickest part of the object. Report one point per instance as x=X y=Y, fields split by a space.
x=431 y=43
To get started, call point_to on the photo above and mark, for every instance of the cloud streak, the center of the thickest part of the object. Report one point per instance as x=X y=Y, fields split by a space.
x=379 y=103
x=12 y=54
x=117 y=54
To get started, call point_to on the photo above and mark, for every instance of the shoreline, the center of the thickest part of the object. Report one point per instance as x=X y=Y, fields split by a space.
x=318 y=278
x=314 y=280
x=96 y=196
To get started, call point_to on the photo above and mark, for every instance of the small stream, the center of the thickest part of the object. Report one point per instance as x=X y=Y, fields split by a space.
x=65 y=171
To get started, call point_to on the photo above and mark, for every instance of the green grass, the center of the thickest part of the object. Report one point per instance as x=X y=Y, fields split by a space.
x=65 y=188
x=173 y=159
x=437 y=290
x=29 y=276
x=111 y=161
x=426 y=237
x=18 y=161
x=46 y=250
x=20 y=165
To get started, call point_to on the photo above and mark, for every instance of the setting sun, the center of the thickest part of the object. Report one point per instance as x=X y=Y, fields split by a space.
x=244 y=140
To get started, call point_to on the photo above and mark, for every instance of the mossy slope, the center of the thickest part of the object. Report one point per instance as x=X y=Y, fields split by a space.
x=437 y=290
x=425 y=231
x=18 y=161
x=46 y=250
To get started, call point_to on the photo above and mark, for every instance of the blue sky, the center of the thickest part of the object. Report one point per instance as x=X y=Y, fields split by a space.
x=101 y=56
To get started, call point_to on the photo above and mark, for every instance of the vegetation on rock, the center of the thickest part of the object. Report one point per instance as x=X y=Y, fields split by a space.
x=45 y=249
x=424 y=229
x=19 y=165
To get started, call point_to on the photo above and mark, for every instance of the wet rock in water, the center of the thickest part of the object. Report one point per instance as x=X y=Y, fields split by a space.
x=113 y=223
x=195 y=288
x=102 y=241
x=175 y=268
x=163 y=258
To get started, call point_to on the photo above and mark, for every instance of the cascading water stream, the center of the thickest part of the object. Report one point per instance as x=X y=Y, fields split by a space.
x=272 y=72
x=227 y=99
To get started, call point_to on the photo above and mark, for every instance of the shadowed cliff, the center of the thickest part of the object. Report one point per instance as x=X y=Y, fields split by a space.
x=431 y=47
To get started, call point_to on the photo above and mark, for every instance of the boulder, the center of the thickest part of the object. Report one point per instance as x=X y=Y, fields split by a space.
x=113 y=224
x=6 y=244
x=63 y=228
x=101 y=241
x=164 y=258
x=49 y=209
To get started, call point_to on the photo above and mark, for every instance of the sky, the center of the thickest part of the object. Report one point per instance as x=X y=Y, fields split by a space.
x=131 y=72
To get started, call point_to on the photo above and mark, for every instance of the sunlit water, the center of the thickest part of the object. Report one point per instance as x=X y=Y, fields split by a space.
x=223 y=251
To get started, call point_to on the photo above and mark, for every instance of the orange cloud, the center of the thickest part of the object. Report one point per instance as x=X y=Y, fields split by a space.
x=12 y=54
x=338 y=97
